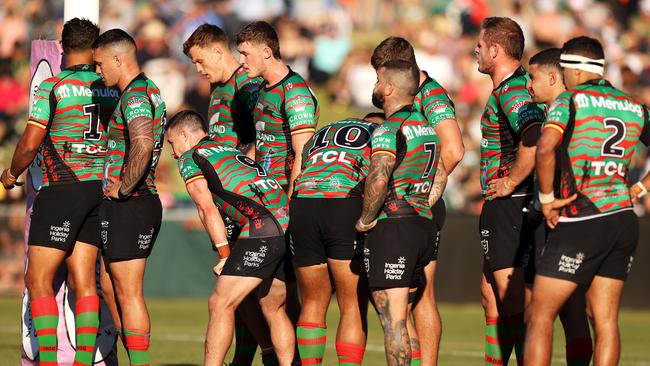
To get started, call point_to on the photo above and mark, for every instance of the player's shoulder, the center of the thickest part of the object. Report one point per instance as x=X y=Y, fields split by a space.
x=515 y=83
x=431 y=86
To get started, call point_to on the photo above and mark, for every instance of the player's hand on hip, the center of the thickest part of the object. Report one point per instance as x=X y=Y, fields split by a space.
x=8 y=180
x=219 y=267
x=363 y=227
x=501 y=187
x=551 y=210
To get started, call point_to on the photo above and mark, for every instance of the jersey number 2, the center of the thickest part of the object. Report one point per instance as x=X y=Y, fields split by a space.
x=611 y=146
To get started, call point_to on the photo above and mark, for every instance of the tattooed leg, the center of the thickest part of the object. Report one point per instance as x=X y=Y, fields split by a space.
x=392 y=307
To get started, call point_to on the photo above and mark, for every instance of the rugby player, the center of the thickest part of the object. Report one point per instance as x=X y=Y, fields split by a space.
x=325 y=205
x=286 y=115
x=68 y=126
x=589 y=138
x=396 y=210
x=257 y=202
x=434 y=103
x=131 y=213
x=230 y=117
x=546 y=84
x=510 y=127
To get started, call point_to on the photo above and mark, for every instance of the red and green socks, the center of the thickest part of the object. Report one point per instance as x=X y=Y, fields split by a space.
x=415 y=358
x=46 y=319
x=350 y=354
x=87 y=323
x=311 y=339
x=579 y=352
x=498 y=342
x=137 y=346
x=245 y=344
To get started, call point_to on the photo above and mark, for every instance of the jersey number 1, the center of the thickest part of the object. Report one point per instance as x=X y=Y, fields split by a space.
x=92 y=111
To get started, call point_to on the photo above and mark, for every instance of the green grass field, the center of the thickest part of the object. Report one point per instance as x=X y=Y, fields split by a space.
x=179 y=325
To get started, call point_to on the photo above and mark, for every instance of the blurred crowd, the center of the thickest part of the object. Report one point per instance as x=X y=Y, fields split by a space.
x=330 y=42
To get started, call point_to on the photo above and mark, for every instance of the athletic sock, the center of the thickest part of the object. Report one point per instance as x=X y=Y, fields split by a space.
x=46 y=319
x=311 y=339
x=350 y=354
x=518 y=334
x=498 y=344
x=269 y=358
x=137 y=346
x=579 y=352
x=86 y=323
x=415 y=358
x=245 y=344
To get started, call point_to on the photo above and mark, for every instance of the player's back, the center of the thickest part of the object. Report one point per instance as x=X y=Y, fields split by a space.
x=336 y=161
x=230 y=113
x=74 y=107
x=242 y=188
x=601 y=127
x=409 y=137
x=141 y=98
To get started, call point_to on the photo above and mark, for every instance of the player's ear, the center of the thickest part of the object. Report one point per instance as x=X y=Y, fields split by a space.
x=266 y=51
x=218 y=52
x=494 y=51
x=117 y=59
x=552 y=78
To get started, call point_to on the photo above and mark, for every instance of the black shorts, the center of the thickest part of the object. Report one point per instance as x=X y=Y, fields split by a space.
x=506 y=232
x=439 y=211
x=322 y=228
x=579 y=250
x=130 y=227
x=257 y=257
x=65 y=214
x=396 y=252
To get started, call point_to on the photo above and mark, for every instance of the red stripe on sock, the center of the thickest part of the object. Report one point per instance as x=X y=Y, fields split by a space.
x=312 y=341
x=44 y=306
x=47 y=348
x=311 y=325
x=416 y=354
x=85 y=348
x=492 y=340
x=87 y=304
x=350 y=352
x=489 y=320
x=87 y=330
x=46 y=363
x=77 y=363
x=136 y=342
x=312 y=361
x=45 y=331
x=494 y=360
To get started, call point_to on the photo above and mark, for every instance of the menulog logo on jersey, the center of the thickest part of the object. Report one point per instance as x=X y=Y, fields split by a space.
x=625 y=105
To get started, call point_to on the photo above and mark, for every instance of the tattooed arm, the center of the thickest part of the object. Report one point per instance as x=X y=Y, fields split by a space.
x=376 y=187
x=439 y=184
x=139 y=157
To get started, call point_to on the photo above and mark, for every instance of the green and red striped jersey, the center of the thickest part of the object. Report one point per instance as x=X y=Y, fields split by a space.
x=408 y=136
x=283 y=110
x=510 y=111
x=74 y=107
x=241 y=188
x=600 y=127
x=141 y=98
x=335 y=161
x=230 y=113
x=433 y=102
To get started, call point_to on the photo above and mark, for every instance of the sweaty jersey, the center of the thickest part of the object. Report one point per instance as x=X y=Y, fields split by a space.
x=285 y=109
x=230 y=114
x=73 y=107
x=241 y=188
x=600 y=127
x=408 y=136
x=509 y=112
x=335 y=161
x=141 y=98
x=433 y=102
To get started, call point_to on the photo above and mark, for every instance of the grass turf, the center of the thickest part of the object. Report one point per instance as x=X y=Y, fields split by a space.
x=179 y=326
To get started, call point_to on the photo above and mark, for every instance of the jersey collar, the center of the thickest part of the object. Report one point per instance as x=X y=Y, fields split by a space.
x=520 y=71
x=598 y=82
x=289 y=74
x=80 y=67
x=426 y=80
x=141 y=76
